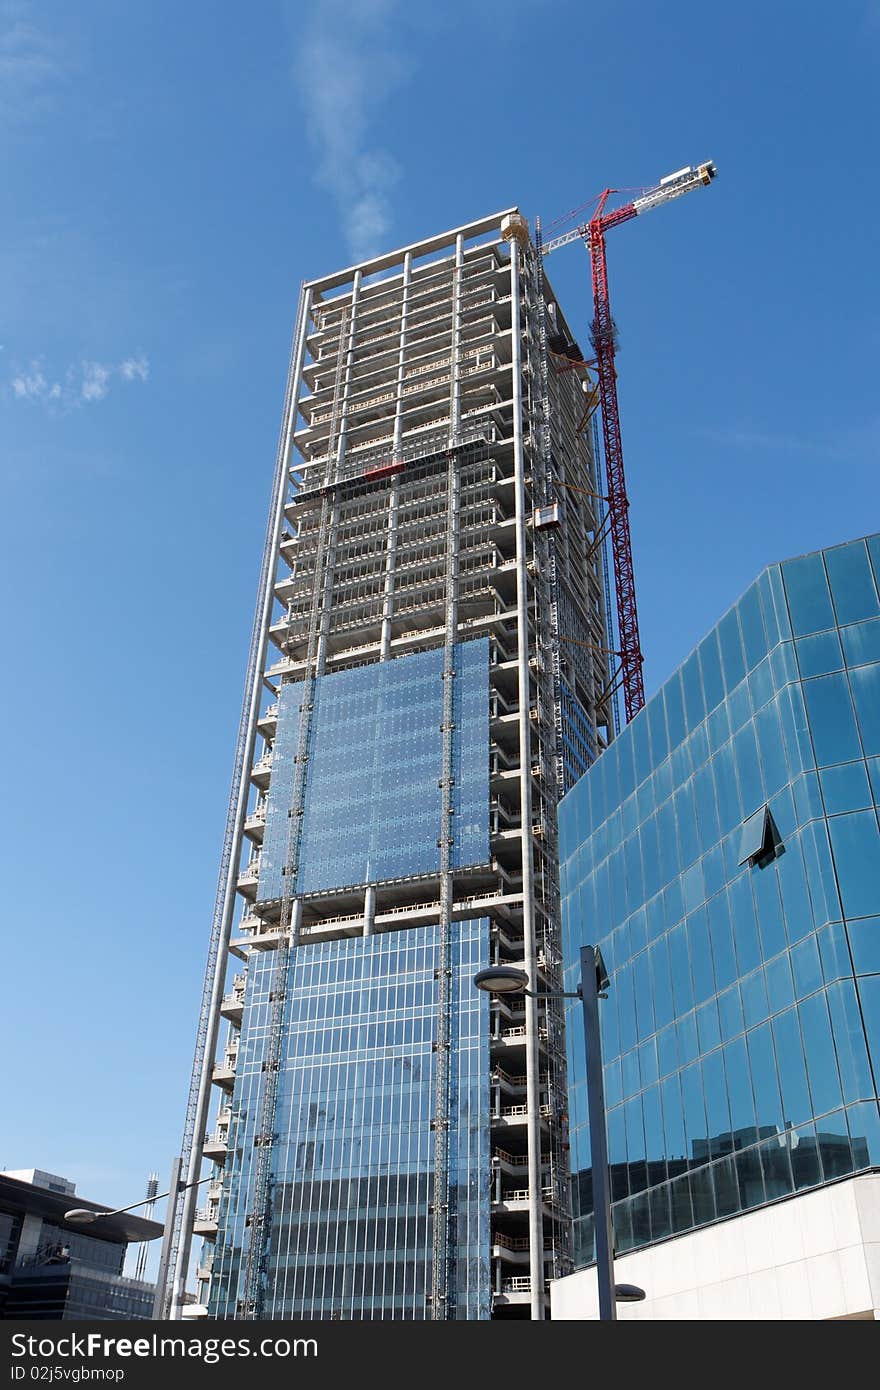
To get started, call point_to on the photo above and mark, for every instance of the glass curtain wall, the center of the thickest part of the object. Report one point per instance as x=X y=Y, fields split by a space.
x=351 y=1223
x=725 y=855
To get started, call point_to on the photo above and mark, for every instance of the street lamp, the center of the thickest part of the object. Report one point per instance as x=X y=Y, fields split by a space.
x=81 y=1216
x=506 y=979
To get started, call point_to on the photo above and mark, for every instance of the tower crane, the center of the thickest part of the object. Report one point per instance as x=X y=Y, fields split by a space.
x=592 y=233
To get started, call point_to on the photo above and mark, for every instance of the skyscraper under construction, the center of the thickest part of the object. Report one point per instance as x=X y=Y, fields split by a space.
x=429 y=671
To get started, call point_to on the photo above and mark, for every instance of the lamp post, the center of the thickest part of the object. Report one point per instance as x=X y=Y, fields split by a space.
x=504 y=979
x=83 y=1216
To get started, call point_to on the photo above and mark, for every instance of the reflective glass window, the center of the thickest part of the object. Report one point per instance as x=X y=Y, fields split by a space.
x=855 y=841
x=771 y=746
x=721 y=936
x=694 y=1114
x=673 y=699
x=732 y=658
x=745 y=925
x=849 y=1041
x=792 y=879
x=710 y=666
x=742 y=1102
x=861 y=642
x=809 y=598
x=834 y=951
x=869 y=996
x=865 y=684
x=852 y=583
x=751 y=620
x=780 y=984
x=688 y=1041
x=667 y=1050
x=864 y=937
x=835 y=1150
x=701 y=955
x=775 y=1156
x=819 y=654
x=832 y=723
x=694 y=702
x=845 y=788
x=768 y=1105
x=748 y=767
x=717 y=1107
x=864 y=1130
x=754 y=998
x=730 y=1012
x=771 y=926
x=806 y=967
x=821 y=1057
x=708 y=1026
x=682 y=986
x=792 y=1069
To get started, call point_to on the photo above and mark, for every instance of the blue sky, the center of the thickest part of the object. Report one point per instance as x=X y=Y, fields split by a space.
x=171 y=174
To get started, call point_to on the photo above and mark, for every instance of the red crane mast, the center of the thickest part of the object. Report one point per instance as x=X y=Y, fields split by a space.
x=593 y=234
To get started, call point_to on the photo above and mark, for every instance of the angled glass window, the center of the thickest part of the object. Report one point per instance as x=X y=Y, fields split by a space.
x=759 y=838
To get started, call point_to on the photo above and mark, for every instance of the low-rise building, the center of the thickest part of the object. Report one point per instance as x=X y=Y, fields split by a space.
x=60 y=1270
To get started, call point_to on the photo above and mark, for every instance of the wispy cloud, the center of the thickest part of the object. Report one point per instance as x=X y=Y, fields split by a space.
x=83 y=383
x=347 y=64
x=95 y=381
x=30 y=63
x=134 y=369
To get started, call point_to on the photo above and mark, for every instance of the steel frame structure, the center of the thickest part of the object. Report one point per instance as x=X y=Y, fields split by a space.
x=421 y=433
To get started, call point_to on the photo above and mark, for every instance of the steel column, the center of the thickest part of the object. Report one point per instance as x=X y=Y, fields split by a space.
x=536 y=1221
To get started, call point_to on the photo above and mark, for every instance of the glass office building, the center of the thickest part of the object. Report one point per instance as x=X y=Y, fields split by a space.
x=725 y=855
x=428 y=674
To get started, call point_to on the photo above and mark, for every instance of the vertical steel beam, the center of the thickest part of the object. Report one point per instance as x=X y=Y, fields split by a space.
x=533 y=1086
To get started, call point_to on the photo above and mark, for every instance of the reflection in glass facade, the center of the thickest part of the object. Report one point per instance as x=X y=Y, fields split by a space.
x=373 y=800
x=351 y=1225
x=741 y=1033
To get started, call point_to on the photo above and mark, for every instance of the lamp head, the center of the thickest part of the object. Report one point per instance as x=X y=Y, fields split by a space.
x=502 y=979
x=80 y=1216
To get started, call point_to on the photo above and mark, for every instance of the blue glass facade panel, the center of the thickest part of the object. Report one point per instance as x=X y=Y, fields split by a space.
x=352 y=1165
x=372 y=798
x=754 y=988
